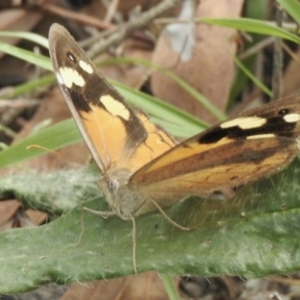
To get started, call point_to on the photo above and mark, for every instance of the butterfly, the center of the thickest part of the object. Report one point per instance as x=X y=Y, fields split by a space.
x=142 y=166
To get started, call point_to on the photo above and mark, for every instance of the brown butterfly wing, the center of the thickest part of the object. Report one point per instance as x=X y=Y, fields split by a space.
x=116 y=136
x=232 y=153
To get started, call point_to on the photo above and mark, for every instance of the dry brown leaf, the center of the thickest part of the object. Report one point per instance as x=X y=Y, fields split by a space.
x=146 y=286
x=7 y=210
x=291 y=78
x=133 y=75
x=209 y=68
x=17 y=19
x=36 y=217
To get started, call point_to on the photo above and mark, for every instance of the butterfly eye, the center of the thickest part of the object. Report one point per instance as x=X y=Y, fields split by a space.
x=113 y=185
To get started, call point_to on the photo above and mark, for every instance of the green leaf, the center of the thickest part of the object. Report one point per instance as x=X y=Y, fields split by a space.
x=255 y=80
x=36 y=38
x=255 y=234
x=54 y=193
x=55 y=137
x=29 y=86
x=170 y=286
x=36 y=59
x=292 y=7
x=256 y=26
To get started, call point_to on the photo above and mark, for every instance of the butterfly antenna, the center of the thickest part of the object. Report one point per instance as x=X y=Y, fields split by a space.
x=41 y=148
x=30 y=147
x=169 y=219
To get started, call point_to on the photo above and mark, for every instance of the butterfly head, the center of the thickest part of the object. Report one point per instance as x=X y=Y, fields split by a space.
x=114 y=188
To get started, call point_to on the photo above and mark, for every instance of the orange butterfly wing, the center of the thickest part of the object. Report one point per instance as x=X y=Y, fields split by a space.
x=116 y=136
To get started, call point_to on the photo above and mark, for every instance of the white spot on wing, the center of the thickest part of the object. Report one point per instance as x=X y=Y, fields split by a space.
x=261 y=136
x=291 y=118
x=114 y=107
x=244 y=122
x=70 y=76
x=86 y=67
x=59 y=78
x=71 y=57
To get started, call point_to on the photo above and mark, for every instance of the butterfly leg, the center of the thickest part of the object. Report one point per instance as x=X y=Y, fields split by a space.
x=169 y=219
x=103 y=214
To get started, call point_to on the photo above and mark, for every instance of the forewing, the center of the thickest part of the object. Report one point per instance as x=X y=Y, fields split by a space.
x=115 y=135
